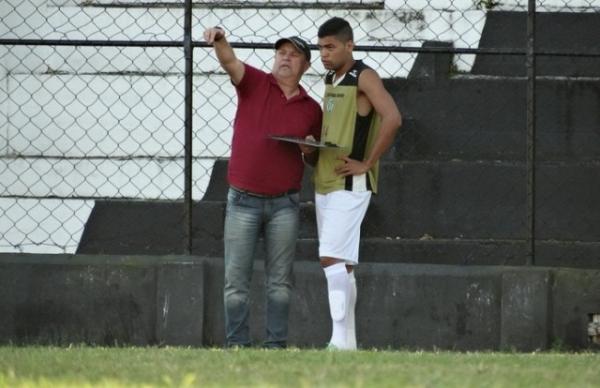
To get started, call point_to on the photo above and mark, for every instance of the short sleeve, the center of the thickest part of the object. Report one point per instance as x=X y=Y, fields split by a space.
x=251 y=79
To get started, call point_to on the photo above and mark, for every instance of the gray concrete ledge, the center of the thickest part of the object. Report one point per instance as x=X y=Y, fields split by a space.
x=177 y=300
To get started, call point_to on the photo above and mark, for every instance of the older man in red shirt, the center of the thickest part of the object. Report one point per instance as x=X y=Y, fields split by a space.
x=264 y=177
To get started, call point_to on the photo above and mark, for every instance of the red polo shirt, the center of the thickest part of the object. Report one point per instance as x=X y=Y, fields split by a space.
x=260 y=164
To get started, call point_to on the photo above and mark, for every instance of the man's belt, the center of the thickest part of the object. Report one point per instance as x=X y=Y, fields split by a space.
x=259 y=195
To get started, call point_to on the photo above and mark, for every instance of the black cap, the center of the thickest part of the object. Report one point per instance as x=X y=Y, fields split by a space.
x=298 y=42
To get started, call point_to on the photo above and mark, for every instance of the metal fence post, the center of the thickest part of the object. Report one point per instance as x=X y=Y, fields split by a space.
x=189 y=61
x=531 y=138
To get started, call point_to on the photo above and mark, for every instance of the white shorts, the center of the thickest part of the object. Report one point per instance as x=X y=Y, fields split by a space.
x=339 y=215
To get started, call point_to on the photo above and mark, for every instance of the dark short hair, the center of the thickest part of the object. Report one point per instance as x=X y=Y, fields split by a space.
x=337 y=27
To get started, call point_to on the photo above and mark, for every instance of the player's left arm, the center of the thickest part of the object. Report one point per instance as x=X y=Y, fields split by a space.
x=372 y=87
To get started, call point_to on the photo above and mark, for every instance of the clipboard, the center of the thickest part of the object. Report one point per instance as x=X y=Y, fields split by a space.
x=308 y=142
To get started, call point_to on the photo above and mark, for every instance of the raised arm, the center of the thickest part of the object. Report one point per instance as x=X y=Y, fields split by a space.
x=230 y=63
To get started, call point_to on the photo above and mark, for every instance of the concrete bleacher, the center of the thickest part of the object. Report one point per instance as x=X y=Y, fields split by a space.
x=443 y=247
x=453 y=186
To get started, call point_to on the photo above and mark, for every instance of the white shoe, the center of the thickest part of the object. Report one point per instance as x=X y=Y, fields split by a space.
x=334 y=348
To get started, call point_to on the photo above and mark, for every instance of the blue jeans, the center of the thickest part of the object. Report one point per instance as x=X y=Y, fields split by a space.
x=246 y=216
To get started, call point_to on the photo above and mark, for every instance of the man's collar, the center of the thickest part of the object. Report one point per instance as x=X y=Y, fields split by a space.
x=302 y=92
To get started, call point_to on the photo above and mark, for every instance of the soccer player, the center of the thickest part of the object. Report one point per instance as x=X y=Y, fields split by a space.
x=361 y=117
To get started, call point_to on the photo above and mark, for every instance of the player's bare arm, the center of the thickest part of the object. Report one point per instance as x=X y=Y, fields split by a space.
x=230 y=63
x=371 y=86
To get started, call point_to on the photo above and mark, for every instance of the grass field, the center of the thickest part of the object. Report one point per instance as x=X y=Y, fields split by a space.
x=182 y=367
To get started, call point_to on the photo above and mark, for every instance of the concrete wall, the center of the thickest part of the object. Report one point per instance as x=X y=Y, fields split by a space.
x=177 y=300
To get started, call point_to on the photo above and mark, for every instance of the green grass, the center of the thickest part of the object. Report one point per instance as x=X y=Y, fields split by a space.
x=182 y=367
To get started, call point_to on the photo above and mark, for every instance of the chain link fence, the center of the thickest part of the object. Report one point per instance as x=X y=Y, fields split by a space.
x=93 y=100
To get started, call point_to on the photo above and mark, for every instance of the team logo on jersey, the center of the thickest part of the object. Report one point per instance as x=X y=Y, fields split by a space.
x=329 y=105
x=353 y=73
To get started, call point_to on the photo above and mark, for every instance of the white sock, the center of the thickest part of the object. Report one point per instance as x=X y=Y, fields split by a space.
x=338 y=284
x=350 y=317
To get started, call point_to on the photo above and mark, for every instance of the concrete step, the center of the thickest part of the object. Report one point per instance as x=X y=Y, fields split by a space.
x=468 y=199
x=472 y=210
x=473 y=118
x=486 y=200
x=91 y=178
x=47 y=225
x=570 y=32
